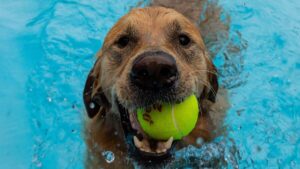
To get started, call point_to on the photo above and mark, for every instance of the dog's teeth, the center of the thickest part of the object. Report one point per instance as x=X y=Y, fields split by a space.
x=147 y=150
x=164 y=146
x=168 y=144
x=159 y=151
x=142 y=145
x=137 y=142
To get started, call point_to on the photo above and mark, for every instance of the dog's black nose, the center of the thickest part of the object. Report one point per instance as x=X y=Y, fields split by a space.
x=154 y=70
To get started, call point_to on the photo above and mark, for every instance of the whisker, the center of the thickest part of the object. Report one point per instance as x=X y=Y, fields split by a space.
x=200 y=111
x=204 y=70
x=108 y=89
x=206 y=84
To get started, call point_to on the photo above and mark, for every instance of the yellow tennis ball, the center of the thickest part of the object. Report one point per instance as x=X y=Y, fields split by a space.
x=170 y=120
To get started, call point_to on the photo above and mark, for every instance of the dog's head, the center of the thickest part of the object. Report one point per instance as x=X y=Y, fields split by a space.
x=151 y=55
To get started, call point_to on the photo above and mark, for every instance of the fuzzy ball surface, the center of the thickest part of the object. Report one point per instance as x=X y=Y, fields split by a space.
x=170 y=120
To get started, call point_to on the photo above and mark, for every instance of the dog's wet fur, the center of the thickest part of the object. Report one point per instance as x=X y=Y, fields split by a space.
x=110 y=96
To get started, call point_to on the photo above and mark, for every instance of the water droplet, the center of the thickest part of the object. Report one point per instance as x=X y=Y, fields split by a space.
x=92 y=105
x=293 y=163
x=49 y=99
x=240 y=127
x=199 y=141
x=38 y=164
x=34 y=159
x=109 y=156
x=279 y=161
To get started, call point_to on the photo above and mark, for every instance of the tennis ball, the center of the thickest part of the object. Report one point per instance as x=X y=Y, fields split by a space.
x=170 y=120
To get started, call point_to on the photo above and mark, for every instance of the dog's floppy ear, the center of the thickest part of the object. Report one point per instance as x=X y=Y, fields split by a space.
x=94 y=99
x=210 y=91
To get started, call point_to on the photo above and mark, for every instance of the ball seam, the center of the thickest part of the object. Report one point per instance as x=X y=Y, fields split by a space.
x=174 y=120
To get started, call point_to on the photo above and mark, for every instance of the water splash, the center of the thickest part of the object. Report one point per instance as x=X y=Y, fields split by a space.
x=108 y=156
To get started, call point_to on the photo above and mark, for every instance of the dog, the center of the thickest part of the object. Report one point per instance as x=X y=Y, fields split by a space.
x=151 y=55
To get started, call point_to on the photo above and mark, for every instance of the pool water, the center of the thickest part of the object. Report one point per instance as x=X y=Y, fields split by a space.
x=48 y=47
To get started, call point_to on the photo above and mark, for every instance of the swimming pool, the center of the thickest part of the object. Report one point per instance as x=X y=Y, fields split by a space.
x=47 y=49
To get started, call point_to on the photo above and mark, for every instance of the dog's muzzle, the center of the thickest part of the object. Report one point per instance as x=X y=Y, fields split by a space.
x=154 y=70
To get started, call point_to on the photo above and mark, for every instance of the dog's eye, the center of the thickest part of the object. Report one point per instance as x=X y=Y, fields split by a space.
x=123 y=41
x=184 y=40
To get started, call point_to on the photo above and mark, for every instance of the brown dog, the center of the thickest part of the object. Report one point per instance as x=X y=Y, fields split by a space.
x=152 y=55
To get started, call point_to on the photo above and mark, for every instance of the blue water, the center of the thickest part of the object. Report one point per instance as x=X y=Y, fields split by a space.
x=48 y=47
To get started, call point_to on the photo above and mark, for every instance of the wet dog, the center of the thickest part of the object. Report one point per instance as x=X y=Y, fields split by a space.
x=151 y=55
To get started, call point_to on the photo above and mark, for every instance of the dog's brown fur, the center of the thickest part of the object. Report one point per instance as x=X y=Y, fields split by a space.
x=152 y=28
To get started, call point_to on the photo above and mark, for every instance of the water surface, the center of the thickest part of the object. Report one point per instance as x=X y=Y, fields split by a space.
x=47 y=49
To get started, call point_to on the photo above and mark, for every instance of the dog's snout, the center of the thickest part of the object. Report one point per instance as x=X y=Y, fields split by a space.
x=154 y=70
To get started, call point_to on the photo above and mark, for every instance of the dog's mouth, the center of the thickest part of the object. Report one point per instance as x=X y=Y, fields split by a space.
x=138 y=139
x=143 y=143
